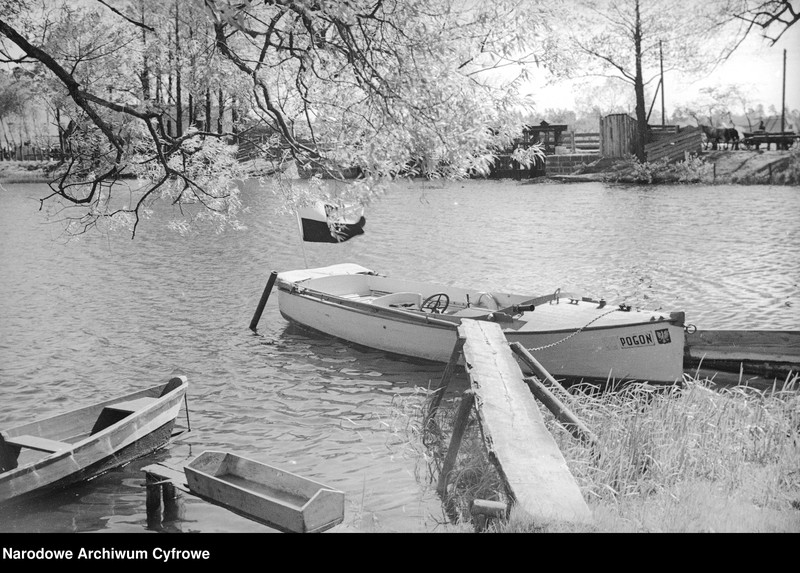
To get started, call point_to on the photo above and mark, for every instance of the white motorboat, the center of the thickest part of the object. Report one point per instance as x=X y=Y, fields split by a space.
x=571 y=336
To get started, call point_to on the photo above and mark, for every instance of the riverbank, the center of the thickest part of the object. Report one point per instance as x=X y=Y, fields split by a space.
x=26 y=171
x=736 y=167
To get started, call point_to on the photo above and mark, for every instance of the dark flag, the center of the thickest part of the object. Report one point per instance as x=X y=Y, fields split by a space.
x=325 y=223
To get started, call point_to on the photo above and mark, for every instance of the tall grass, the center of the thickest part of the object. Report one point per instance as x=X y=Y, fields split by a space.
x=684 y=459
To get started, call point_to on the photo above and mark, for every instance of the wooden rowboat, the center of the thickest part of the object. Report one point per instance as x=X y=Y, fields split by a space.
x=571 y=336
x=282 y=500
x=40 y=456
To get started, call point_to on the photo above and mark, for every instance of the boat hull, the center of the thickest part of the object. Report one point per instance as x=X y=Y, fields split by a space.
x=135 y=434
x=647 y=350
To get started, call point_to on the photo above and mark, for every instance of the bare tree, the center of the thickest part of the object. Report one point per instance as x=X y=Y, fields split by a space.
x=772 y=17
x=629 y=40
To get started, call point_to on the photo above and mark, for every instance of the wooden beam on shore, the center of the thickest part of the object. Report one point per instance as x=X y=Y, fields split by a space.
x=767 y=353
x=563 y=414
x=519 y=444
x=781 y=346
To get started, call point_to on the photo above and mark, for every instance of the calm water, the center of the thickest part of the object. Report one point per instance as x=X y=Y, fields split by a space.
x=103 y=315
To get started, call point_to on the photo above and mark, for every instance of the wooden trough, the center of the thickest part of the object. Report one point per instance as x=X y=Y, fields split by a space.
x=260 y=492
x=534 y=471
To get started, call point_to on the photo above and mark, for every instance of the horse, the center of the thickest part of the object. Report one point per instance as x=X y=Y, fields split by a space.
x=732 y=137
x=714 y=135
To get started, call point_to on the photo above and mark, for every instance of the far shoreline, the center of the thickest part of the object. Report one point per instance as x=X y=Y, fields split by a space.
x=713 y=167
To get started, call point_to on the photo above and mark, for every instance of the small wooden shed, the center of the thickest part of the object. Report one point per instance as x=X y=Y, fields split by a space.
x=617 y=135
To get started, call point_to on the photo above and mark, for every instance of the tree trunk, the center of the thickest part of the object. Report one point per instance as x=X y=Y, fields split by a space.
x=641 y=114
x=178 y=107
x=207 y=126
x=145 y=76
x=220 y=111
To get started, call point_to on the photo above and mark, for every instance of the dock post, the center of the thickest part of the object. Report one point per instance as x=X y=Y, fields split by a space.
x=459 y=426
x=484 y=511
x=170 y=495
x=263 y=302
x=153 y=500
x=445 y=381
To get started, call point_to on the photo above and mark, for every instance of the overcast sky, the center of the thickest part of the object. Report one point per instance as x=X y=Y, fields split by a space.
x=755 y=67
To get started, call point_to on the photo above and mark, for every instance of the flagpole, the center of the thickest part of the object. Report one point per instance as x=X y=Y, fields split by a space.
x=304 y=252
x=300 y=230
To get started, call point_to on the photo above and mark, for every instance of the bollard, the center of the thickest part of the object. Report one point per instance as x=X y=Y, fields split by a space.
x=263 y=302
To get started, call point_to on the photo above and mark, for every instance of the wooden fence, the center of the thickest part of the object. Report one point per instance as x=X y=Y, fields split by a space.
x=663 y=129
x=676 y=146
x=29 y=153
x=576 y=142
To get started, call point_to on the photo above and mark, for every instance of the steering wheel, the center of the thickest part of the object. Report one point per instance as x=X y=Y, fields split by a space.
x=436 y=303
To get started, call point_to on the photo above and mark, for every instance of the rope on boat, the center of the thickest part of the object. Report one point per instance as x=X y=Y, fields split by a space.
x=595 y=319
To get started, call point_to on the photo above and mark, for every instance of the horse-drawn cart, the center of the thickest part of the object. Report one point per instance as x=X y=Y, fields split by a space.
x=782 y=139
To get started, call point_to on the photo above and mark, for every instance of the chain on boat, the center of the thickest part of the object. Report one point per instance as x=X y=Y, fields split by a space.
x=595 y=319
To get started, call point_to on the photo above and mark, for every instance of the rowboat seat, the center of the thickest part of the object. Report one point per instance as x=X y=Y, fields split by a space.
x=37 y=443
x=407 y=300
x=113 y=413
x=132 y=405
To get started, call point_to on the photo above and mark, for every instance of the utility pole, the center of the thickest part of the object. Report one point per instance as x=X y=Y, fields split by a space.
x=661 y=58
x=783 y=97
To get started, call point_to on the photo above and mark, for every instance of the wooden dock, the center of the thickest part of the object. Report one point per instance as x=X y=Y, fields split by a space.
x=767 y=354
x=524 y=452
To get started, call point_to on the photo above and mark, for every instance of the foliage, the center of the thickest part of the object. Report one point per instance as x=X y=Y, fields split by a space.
x=682 y=459
x=693 y=170
x=389 y=87
x=642 y=171
x=632 y=41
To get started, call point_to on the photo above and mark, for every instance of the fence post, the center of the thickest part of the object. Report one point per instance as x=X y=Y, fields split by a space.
x=572 y=137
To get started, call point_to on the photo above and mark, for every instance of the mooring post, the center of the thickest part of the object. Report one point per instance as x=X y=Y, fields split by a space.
x=171 y=508
x=263 y=302
x=153 y=500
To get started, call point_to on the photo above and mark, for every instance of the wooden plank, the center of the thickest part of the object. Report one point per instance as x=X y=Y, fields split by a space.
x=745 y=345
x=674 y=147
x=133 y=405
x=37 y=443
x=173 y=474
x=525 y=454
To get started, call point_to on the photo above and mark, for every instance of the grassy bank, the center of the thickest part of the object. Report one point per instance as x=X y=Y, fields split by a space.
x=720 y=167
x=684 y=460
